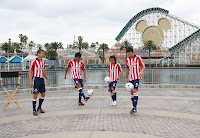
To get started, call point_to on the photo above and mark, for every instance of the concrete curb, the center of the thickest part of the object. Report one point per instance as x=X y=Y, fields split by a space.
x=154 y=86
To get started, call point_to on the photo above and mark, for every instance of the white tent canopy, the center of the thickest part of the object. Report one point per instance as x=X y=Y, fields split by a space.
x=30 y=58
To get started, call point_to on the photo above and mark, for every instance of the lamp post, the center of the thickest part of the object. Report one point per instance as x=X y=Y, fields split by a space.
x=9 y=42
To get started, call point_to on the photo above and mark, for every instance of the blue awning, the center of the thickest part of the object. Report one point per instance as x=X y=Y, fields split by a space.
x=3 y=60
x=16 y=60
x=73 y=53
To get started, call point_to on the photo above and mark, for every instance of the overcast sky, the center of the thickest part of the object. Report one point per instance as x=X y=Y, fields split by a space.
x=96 y=20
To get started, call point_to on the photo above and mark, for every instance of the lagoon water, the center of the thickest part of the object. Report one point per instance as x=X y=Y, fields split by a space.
x=96 y=77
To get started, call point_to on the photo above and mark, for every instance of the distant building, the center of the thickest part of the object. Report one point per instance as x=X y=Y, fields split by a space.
x=87 y=57
x=12 y=61
x=156 y=55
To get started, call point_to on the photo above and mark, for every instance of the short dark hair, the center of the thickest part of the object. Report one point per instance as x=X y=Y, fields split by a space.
x=78 y=55
x=129 y=49
x=113 y=57
x=39 y=51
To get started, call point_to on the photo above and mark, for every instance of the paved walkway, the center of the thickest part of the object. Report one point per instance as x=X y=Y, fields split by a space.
x=161 y=113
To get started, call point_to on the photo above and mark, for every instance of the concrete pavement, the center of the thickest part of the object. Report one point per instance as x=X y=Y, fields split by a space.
x=162 y=112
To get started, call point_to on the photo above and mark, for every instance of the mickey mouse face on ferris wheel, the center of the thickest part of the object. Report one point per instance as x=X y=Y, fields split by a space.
x=153 y=32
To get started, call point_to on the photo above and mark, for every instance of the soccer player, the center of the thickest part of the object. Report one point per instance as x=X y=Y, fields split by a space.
x=133 y=75
x=76 y=65
x=36 y=74
x=115 y=72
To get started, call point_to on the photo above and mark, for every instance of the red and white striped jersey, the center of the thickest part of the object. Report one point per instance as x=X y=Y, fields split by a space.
x=114 y=70
x=76 y=67
x=38 y=67
x=133 y=64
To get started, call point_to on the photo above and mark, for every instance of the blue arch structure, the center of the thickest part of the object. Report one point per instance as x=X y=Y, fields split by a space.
x=137 y=17
x=72 y=53
x=16 y=60
x=3 y=59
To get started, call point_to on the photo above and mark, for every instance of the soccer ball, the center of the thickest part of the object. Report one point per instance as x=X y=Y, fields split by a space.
x=107 y=79
x=90 y=92
x=129 y=86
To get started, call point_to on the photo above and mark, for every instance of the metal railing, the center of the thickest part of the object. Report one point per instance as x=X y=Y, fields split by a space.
x=96 y=77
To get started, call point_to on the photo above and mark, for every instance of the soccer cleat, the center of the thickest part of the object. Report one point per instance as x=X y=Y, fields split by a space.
x=35 y=113
x=81 y=104
x=40 y=110
x=114 y=103
x=87 y=98
x=134 y=110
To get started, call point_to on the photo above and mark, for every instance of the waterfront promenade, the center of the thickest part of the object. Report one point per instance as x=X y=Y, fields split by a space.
x=162 y=112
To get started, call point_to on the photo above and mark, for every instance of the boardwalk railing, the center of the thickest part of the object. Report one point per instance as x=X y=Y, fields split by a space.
x=96 y=77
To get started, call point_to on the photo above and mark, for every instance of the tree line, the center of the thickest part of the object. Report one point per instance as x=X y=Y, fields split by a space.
x=18 y=47
x=99 y=49
x=51 y=48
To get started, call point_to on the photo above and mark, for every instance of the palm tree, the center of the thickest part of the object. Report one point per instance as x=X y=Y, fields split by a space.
x=39 y=46
x=56 y=45
x=125 y=45
x=149 y=45
x=23 y=39
x=48 y=49
x=101 y=50
x=70 y=46
x=94 y=45
x=5 y=46
x=80 y=44
x=31 y=44
x=11 y=49
x=17 y=47
x=47 y=46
